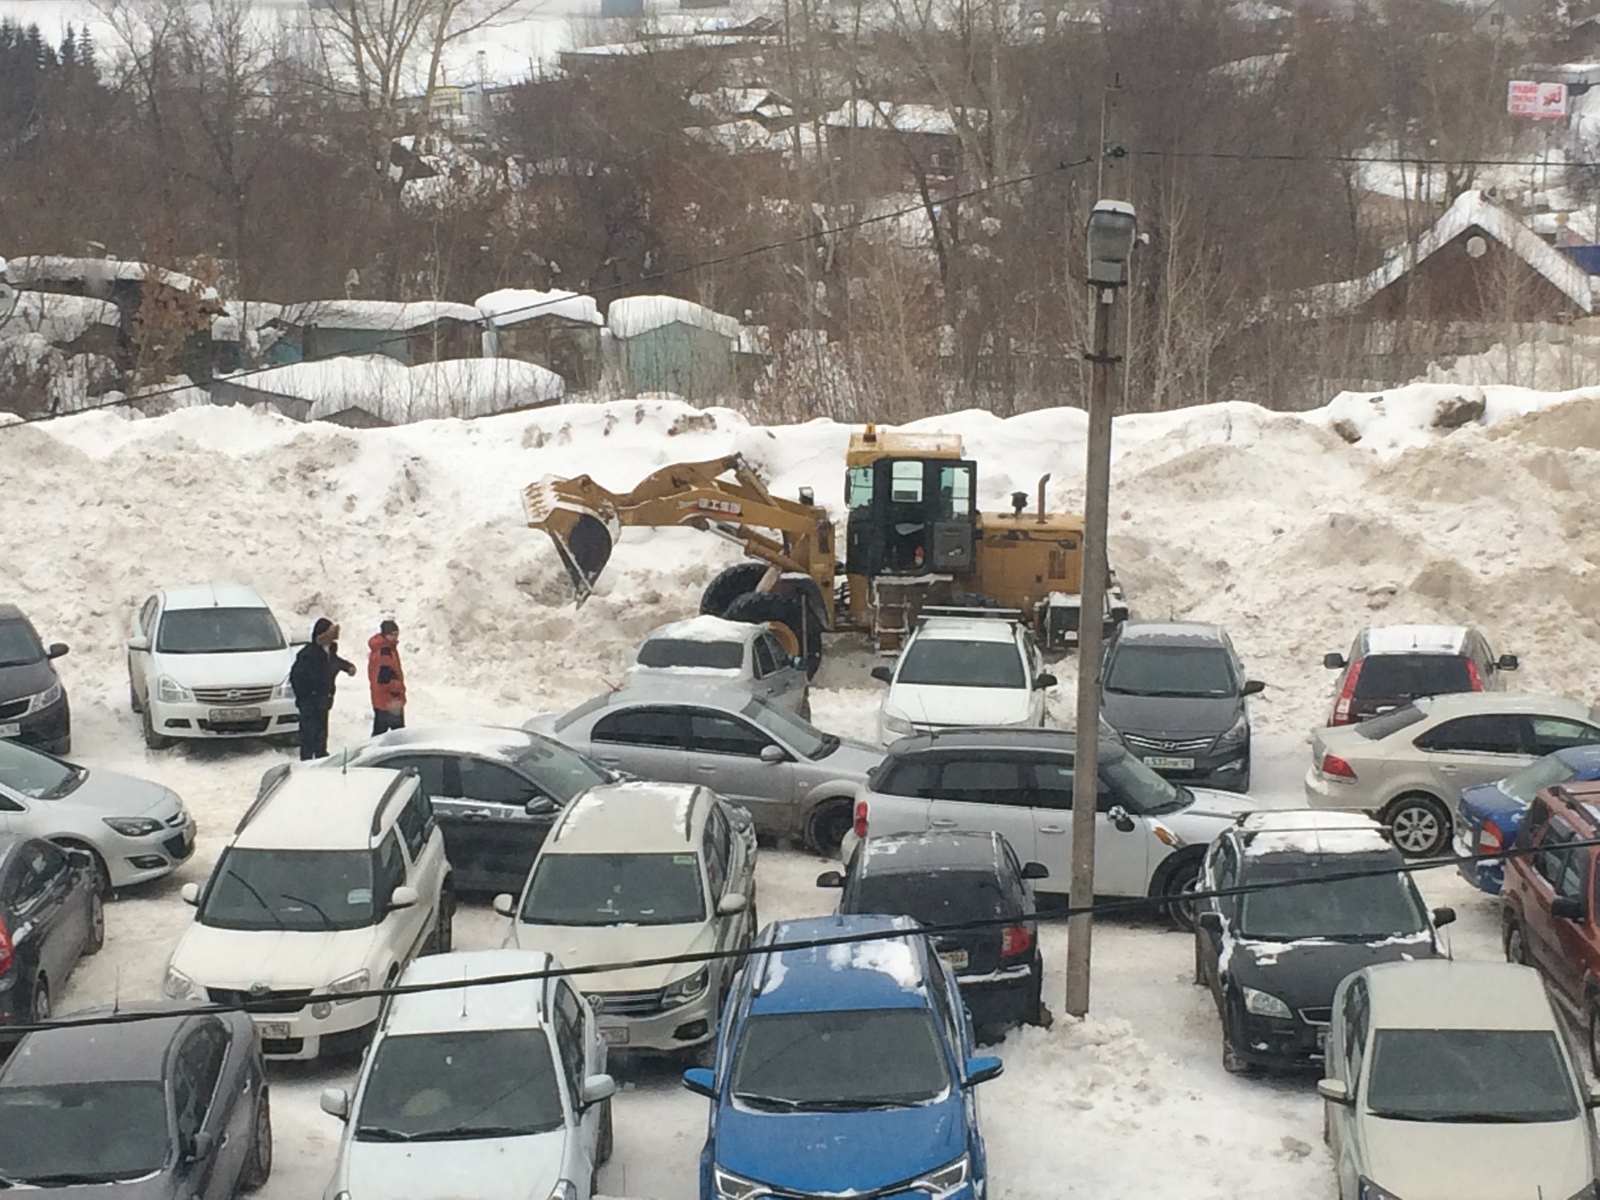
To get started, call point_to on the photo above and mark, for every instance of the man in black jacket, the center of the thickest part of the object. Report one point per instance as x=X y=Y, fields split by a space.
x=311 y=678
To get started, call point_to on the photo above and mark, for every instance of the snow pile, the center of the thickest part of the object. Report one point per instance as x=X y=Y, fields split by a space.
x=634 y=315
x=893 y=958
x=511 y=306
x=397 y=395
x=1412 y=416
x=391 y=315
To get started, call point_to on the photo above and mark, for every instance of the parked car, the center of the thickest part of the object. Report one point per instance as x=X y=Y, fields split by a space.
x=1452 y=1079
x=957 y=672
x=136 y=831
x=332 y=883
x=1490 y=814
x=1178 y=694
x=644 y=870
x=468 y=1089
x=495 y=792
x=33 y=706
x=1410 y=764
x=1392 y=665
x=844 y=1070
x=210 y=662
x=725 y=654
x=1150 y=834
x=952 y=878
x=796 y=780
x=1272 y=958
x=160 y=1108
x=51 y=915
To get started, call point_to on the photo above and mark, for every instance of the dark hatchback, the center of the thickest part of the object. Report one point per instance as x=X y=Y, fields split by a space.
x=33 y=705
x=160 y=1108
x=951 y=878
x=51 y=915
x=1389 y=666
x=1274 y=957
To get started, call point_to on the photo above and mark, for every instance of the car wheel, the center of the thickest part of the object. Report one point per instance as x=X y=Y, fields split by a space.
x=1516 y=944
x=133 y=698
x=1177 y=891
x=152 y=739
x=1421 y=825
x=1232 y=1063
x=606 y=1142
x=827 y=827
x=259 y=1165
x=96 y=936
x=729 y=584
x=39 y=1010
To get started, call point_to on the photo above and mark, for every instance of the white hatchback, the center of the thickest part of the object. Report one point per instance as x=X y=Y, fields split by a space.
x=724 y=654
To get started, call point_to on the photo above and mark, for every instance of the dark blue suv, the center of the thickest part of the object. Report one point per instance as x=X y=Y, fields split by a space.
x=843 y=1069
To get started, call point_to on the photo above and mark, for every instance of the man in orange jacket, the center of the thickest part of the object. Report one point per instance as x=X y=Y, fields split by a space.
x=387 y=678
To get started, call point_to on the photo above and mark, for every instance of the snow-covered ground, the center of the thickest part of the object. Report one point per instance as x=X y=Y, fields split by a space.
x=1275 y=525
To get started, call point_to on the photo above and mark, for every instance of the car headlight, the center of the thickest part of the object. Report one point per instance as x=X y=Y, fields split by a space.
x=43 y=700
x=1367 y=1190
x=564 y=1191
x=899 y=725
x=1237 y=732
x=133 y=826
x=687 y=988
x=170 y=691
x=1265 y=1004
x=283 y=690
x=178 y=985
x=729 y=1186
x=359 y=982
x=948 y=1178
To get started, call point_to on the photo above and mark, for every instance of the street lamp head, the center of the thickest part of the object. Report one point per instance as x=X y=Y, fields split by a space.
x=1112 y=227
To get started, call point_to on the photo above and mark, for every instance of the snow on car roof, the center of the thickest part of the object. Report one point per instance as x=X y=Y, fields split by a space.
x=893 y=958
x=970 y=629
x=461 y=739
x=213 y=595
x=1313 y=832
x=1143 y=631
x=705 y=629
x=482 y=1006
x=319 y=810
x=627 y=818
x=1429 y=639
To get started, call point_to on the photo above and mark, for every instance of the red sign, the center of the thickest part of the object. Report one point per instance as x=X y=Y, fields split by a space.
x=1525 y=98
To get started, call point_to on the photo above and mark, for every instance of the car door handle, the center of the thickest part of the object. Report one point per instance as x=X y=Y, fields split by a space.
x=1052 y=829
x=477 y=813
x=942 y=823
x=1449 y=768
x=705 y=767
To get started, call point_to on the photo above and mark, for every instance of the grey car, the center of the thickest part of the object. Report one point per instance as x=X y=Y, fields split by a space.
x=796 y=780
x=1176 y=692
x=161 y=1108
x=33 y=706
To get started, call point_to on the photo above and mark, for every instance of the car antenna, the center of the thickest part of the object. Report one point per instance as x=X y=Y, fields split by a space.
x=116 y=992
x=464 y=990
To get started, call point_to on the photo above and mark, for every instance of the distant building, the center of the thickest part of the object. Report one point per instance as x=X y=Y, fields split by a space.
x=664 y=344
x=880 y=146
x=410 y=333
x=558 y=330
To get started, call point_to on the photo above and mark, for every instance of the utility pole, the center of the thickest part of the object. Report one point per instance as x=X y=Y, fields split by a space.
x=1110 y=239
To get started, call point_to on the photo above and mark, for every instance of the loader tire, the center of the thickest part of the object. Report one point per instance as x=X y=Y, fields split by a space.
x=730 y=584
x=756 y=608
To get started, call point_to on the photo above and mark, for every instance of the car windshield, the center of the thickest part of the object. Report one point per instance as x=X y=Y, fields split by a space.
x=461 y=1084
x=82 y=1132
x=1406 y=676
x=799 y=735
x=1187 y=671
x=687 y=652
x=1470 y=1076
x=1377 y=728
x=933 y=897
x=1523 y=785
x=1137 y=787
x=35 y=775
x=561 y=772
x=615 y=889
x=290 y=889
x=1357 y=910
x=850 y=1059
x=956 y=662
x=218 y=631
x=18 y=645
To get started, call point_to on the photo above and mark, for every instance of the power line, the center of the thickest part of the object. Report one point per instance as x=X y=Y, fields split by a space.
x=1357 y=159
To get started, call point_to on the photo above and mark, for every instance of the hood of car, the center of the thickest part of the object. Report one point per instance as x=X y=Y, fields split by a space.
x=279 y=959
x=1489 y=800
x=929 y=704
x=850 y=760
x=25 y=679
x=1421 y=1160
x=587 y=945
x=114 y=795
x=492 y=1168
x=833 y=1153
x=158 y=1185
x=1174 y=717
x=1199 y=822
x=1304 y=973
x=256 y=668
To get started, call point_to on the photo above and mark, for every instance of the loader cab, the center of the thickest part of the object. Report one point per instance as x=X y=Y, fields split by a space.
x=910 y=516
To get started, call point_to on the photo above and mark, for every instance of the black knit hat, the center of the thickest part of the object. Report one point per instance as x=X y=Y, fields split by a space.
x=321 y=627
x=388 y=626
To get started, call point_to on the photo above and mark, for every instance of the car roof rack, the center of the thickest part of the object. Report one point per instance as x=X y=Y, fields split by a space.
x=271 y=780
x=952 y=610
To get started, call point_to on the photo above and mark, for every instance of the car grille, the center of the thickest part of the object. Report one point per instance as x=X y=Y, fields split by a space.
x=1316 y=1016
x=631 y=1004
x=13 y=708
x=1163 y=746
x=233 y=696
x=177 y=847
x=235 y=726
x=272 y=1001
x=283 y=1046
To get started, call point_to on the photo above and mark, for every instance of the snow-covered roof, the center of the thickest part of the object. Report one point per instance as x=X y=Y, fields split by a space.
x=705 y=629
x=633 y=315
x=398 y=395
x=58 y=319
x=1471 y=210
x=257 y=313
x=1306 y=831
x=511 y=306
x=748 y=136
x=376 y=314
x=902 y=118
x=742 y=102
x=66 y=268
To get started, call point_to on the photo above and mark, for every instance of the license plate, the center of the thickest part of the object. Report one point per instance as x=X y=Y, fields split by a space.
x=11 y=730
x=1160 y=763
x=222 y=715
x=273 y=1031
x=956 y=958
x=614 y=1035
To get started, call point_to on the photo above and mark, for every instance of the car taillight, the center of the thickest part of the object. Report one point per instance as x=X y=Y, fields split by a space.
x=1336 y=768
x=1015 y=940
x=1347 y=693
x=7 y=951
x=861 y=819
x=1490 y=839
x=1475 y=679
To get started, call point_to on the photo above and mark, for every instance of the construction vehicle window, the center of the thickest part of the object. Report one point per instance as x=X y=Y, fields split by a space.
x=955 y=492
x=766 y=664
x=905 y=485
x=858 y=487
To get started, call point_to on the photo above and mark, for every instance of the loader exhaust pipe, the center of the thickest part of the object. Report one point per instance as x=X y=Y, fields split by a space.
x=1043 y=479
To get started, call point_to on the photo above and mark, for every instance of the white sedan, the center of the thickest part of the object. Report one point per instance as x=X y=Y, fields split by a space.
x=1410 y=764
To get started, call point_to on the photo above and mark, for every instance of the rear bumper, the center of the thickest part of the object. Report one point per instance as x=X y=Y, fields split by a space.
x=1006 y=997
x=1487 y=875
x=1322 y=792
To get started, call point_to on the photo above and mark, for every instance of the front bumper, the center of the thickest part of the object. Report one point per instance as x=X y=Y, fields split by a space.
x=1281 y=1042
x=663 y=1030
x=973 y=1189
x=191 y=719
x=1227 y=770
x=134 y=860
x=49 y=729
x=302 y=1035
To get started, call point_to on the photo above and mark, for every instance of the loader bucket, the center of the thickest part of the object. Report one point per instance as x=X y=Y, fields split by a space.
x=584 y=547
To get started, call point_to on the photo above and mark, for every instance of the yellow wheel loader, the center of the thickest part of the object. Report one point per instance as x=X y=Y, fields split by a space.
x=914 y=543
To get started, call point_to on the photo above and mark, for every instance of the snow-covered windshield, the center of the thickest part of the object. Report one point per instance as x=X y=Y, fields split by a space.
x=1361 y=910
x=851 y=1059
x=687 y=652
x=35 y=775
x=218 y=631
x=18 y=645
x=1184 y=671
x=1468 y=1076
x=798 y=734
x=82 y=1133
x=461 y=1084
x=615 y=889
x=561 y=772
x=1547 y=772
x=954 y=662
x=290 y=889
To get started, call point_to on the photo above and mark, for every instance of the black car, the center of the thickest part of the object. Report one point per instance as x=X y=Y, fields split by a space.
x=1389 y=666
x=950 y=878
x=1272 y=958
x=1176 y=693
x=160 y=1108
x=51 y=915
x=33 y=706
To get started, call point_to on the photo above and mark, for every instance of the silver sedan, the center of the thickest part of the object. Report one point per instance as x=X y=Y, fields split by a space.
x=796 y=780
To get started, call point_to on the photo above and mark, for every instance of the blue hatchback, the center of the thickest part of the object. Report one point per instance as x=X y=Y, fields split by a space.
x=843 y=1070
x=1490 y=814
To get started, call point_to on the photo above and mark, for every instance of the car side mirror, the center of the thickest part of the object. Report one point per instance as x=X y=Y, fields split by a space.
x=190 y=893
x=505 y=904
x=1035 y=870
x=883 y=674
x=1210 y=921
x=830 y=879
x=138 y=643
x=81 y=859
x=402 y=897
x=1568 y=908
x=1046 y=680
x=701 y=1081
x=733 y=902
x=982 y=1068
x=1507 y=662
x=1335 y=1090
x=1120 y=818
x=1252 y=687
x=1443 y=916
x=200 y=1147
x=336 y=1103
x=597 y=1088
x=540 y=806
x=1334 y=662
x=772 y=754
x=57 y=649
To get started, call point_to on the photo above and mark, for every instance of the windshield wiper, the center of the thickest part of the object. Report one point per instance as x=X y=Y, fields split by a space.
x=1465 y=1118
x=257 y=896
x=830 y=743
x=481 y=1131
x=377 y=1133
x=68 y=784
x=67 y=1178
x=776 y=1103
x=327 y=922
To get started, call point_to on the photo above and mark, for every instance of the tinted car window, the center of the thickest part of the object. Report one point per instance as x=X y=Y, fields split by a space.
x=561 y=772
x=491 y=781
x=106 y=1131
x=718 y=733
x=687 y=652
x=977 y=781
x=1404 y=676
x=18 y=645
x=643 y=727
x=949 y=662
x=1487 y=733
x=429 y=769
x=1552 y=733
x=1381 y=726
x=935 y=897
